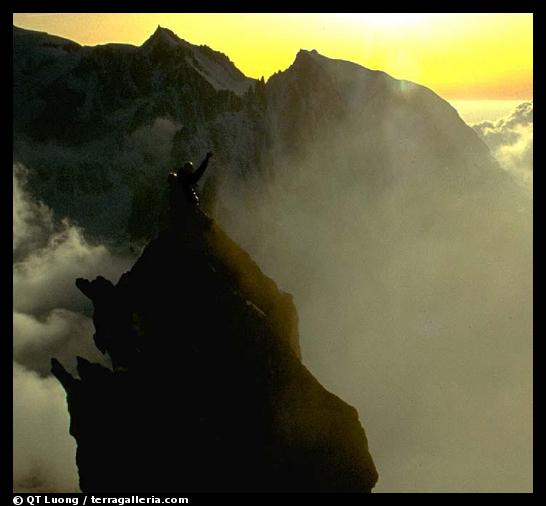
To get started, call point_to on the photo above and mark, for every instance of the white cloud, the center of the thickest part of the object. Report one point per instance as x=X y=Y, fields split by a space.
x=61 y=333
x=45 y=278
x=511 y=141
x=50 y=255
x=32 y=221
x=49 y=320
x=43 y=452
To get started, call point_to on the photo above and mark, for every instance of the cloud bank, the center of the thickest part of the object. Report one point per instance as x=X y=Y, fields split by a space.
x=415 y=306
x=511 y=141
x=50 y=318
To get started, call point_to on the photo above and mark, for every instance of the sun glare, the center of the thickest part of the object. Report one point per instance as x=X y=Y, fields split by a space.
x=385 y=20
x=460 y=56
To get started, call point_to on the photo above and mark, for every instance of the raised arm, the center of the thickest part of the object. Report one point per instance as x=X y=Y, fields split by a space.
x=196 y=176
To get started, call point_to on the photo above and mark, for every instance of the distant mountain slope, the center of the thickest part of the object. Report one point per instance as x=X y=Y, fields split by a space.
x=85 y=119
x=89 y=88
x=101 y=126
x=319 y=101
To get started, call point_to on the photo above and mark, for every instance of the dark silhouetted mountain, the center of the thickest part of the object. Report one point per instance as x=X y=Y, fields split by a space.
x=323 y=108
x=207 y=391
x=70 y=93
x=99 y=127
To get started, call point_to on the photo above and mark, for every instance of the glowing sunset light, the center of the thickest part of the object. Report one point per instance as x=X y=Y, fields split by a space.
x=460 y=56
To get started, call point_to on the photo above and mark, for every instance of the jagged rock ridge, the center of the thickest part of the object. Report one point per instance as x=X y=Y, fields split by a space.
x=207 y=391
x=82 y=116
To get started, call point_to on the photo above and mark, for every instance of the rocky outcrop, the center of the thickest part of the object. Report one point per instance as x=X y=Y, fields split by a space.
x=207 y=391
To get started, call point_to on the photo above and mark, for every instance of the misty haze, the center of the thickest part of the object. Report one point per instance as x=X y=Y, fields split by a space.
x=403 y=234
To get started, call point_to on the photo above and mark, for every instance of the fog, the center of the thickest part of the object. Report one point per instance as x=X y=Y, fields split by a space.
x=100 y=183
x=51 y=318
x=415 y=306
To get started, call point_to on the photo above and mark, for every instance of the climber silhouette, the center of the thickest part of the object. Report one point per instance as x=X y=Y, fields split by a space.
x=188 y=178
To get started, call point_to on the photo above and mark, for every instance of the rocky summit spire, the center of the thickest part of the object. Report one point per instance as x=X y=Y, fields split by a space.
x=207 y=392
x=164 y=36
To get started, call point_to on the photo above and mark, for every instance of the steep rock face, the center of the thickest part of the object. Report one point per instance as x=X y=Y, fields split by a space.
x=207 y=391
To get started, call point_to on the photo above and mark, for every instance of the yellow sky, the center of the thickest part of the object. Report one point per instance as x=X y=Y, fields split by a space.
x=460 y=56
